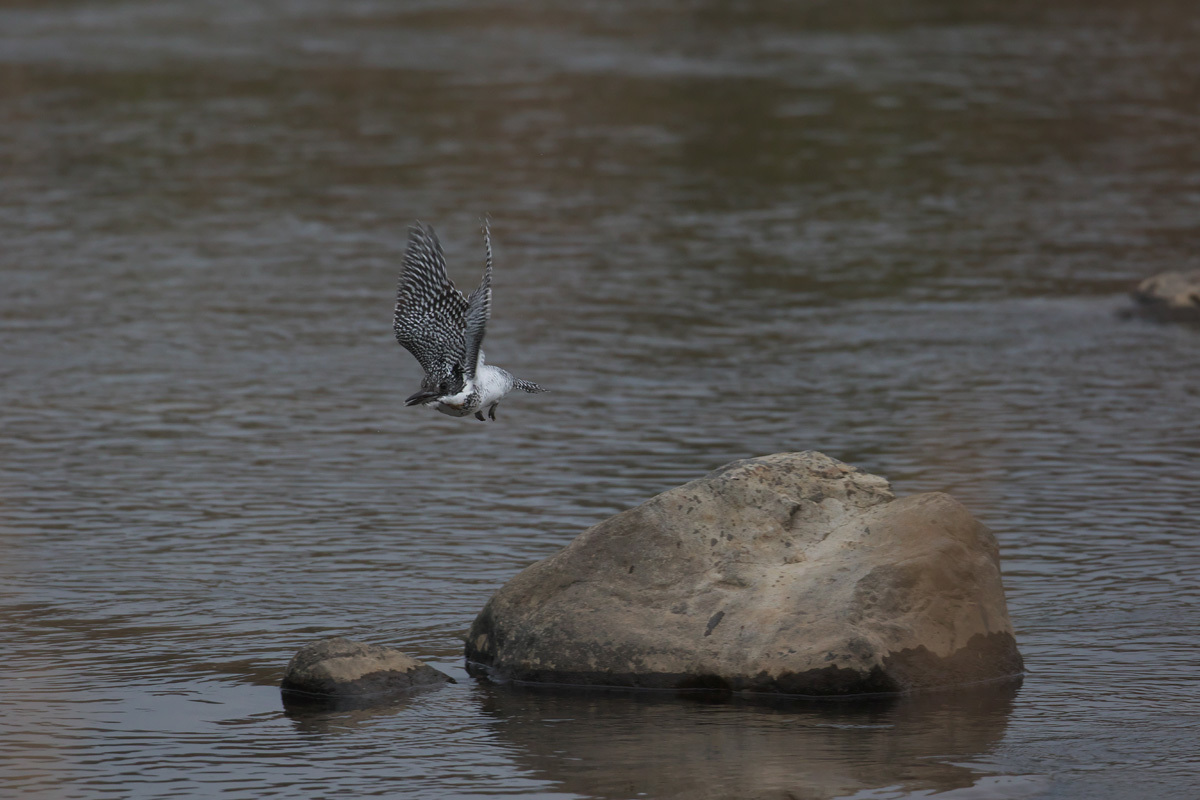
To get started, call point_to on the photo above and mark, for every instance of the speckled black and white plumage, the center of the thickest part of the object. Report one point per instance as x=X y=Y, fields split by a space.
x=444 y=331
x=429 y=315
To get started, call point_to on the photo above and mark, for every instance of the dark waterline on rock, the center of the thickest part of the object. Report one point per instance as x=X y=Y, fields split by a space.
x=898 y=233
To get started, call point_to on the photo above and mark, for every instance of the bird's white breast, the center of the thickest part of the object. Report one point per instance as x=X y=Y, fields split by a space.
x=489 y=386
x=492 y=384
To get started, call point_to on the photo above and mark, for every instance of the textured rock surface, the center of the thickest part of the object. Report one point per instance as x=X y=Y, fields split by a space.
x=1170 y=295
x=790 y=573
x=343 y=668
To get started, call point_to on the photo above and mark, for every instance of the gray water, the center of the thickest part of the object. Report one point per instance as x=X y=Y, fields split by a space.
x=896 y=232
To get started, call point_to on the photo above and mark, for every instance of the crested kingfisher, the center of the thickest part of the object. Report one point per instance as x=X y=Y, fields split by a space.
x=444 y=331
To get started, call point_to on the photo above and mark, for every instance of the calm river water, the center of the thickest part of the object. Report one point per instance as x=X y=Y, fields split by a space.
x=898 y=232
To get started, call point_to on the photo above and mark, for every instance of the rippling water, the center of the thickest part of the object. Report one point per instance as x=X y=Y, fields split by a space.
x=895 y=232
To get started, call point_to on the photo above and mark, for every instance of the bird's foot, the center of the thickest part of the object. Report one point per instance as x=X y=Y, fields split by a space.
x=492 y=412
x=479 y=416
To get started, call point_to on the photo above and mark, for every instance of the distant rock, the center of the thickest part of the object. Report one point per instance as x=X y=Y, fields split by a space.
x=792 y=573
x=1172 y=296
x=341 y=668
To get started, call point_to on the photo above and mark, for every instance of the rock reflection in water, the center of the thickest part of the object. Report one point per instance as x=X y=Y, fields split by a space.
x=617 y=744
x=324 y=715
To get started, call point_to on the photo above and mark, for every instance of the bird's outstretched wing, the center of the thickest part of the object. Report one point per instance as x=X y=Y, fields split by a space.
x=479 y=309
x=430 y=313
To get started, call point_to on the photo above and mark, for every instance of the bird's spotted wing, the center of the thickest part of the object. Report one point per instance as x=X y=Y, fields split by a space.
x=429 y=318
x=479 y=309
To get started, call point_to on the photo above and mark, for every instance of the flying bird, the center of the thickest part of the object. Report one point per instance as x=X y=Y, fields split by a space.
x=444 y=331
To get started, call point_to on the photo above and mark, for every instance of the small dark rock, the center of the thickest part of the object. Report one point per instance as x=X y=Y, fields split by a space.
x=341 y=668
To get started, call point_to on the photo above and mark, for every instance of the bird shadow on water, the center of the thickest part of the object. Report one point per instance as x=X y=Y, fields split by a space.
x=618 y=744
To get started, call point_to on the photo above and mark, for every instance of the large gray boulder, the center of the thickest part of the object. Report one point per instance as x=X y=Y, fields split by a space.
x=338 y=668
x=792 y=573
x=1172 y=296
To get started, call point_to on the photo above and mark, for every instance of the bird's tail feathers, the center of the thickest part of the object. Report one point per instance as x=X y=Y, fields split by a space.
x=528 y=386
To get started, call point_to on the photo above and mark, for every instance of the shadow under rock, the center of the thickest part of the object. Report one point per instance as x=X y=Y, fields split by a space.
x=618 y=744
x=322 y=714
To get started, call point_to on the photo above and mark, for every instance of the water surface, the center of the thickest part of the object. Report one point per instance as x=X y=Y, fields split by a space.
x=894 y=232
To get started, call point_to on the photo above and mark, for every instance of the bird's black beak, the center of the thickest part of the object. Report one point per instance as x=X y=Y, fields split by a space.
x=421 y=397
